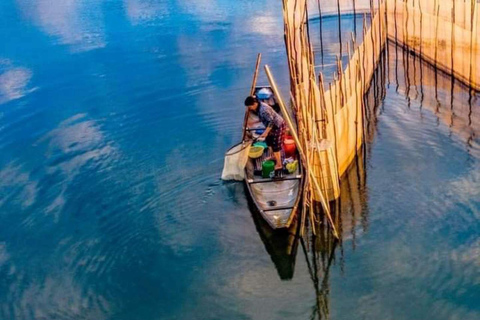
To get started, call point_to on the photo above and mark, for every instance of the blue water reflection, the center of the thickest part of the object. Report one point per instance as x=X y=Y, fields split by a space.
x=114 y=117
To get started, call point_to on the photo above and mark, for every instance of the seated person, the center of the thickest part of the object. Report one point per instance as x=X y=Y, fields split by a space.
x=275 y=127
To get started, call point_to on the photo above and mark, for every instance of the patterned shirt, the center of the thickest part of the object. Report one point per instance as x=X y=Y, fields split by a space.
x=269 y=117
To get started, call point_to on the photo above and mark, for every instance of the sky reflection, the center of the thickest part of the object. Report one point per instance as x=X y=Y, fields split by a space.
x=111 y=206
x=76 y=23
x=14 y=81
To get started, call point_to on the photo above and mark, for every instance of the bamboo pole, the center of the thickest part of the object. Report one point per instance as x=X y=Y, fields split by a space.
x=452 y=45
x=354 y=17
x=473 y=35
x=252 y=91
x=348 y=86
x=324 y=108
x=304 y=211
x=339 y=28
x=321 y=29
x=395 y=20
x=305 y=159
x=437 y=21
x=255 y=75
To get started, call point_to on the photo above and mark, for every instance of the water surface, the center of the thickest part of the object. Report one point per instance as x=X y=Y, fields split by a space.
x=114 y=117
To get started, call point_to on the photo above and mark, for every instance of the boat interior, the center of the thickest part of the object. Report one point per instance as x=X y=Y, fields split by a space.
x=275 y=196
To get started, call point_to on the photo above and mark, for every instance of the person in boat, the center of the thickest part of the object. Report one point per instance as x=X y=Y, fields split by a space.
x=274 y=133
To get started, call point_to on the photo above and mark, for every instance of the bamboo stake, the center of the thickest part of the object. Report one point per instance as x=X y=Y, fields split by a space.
x=354 y=18
x=324 y=108
x=304 y=212
x=339 y=28
x=321 y=29
x=252 y=91
x=437 y=21
x=255 y=75
x=348 y=85
x=395 y=20
x=452 y=45
x=379 y=25
x=473 y=83
x=405 y=32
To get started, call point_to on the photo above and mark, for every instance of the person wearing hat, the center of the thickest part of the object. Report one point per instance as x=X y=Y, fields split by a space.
x=275 y=127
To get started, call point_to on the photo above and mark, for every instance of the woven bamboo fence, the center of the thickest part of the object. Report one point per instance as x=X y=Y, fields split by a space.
x=444 y=33
x=330 y=120
x=331 y=7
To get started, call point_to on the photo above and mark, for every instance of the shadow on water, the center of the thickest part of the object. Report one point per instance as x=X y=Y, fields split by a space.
x=281 y=245
x=321 y=251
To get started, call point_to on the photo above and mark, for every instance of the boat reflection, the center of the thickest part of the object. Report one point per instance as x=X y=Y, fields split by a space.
x=351 y=217
x=281 y=244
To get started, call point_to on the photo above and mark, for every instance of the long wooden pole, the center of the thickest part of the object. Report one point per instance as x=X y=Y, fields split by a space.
x=321 y=29
x=255 y=75
x=252 y=91
x=473 y=21
x=300 y=148
x=339 y=28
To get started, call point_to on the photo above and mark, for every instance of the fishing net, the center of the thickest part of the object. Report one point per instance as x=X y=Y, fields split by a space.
x=330 y=7
x=444 y=33
x=235 y=161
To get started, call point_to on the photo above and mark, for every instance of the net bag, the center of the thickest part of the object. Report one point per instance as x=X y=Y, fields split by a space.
x=235 y=161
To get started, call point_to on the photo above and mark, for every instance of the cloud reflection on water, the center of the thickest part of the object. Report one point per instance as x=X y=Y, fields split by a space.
x=4 y=256
x=77 y=23
x=14 y=81
x=57 y=296
x=16 y=186
x=139 y=11
x=75 y=143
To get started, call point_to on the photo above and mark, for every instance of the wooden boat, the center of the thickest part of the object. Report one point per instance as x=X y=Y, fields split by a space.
x=277 y=199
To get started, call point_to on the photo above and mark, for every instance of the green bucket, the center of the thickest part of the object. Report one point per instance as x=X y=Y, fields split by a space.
x=268 y=169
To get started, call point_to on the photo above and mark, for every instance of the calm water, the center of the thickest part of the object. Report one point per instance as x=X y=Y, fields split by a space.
x=114 y=117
